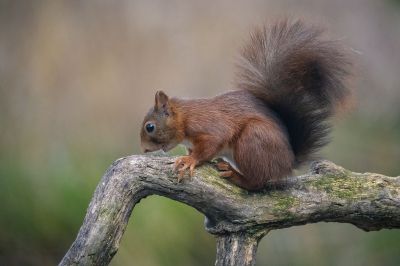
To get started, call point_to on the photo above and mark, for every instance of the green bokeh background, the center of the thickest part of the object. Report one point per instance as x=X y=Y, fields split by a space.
x=76 y=78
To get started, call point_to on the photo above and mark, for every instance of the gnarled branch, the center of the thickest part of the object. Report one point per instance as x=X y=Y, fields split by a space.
x=238 y=218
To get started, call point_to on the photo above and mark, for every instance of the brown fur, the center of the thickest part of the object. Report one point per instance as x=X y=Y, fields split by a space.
x=259 y=143
x=290 y=82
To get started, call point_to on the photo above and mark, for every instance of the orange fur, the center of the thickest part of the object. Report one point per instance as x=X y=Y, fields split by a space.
x=290 y=82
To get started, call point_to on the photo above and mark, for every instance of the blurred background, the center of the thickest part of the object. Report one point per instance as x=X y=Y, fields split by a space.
x=76 y=78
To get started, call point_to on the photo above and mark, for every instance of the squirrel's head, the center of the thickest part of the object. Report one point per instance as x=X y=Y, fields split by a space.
x=160 y=129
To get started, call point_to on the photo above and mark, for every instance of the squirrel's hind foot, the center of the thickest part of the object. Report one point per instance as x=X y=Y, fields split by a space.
x=228 y=172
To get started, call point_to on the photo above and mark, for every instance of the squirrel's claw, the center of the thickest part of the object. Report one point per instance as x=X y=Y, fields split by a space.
x=184 y=163
x=223 y=166
x=225 y=169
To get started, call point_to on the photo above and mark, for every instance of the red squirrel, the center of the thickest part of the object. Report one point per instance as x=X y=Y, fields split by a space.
x=290 y=81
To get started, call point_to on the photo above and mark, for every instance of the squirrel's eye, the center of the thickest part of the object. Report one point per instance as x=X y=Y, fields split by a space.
x=150 y=127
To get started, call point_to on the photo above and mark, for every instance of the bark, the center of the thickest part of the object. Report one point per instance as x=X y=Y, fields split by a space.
x=238 y=248
x=239 y=219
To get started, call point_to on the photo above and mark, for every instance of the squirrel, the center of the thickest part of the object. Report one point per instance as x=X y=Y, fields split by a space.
x=290 y=82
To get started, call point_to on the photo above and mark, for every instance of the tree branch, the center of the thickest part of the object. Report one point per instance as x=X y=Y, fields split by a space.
x=238 y=218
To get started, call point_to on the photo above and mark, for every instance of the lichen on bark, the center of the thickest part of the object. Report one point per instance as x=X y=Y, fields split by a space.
x=238 y=218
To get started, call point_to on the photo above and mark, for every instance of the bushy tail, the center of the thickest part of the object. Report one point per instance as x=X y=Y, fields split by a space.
x=298 y=74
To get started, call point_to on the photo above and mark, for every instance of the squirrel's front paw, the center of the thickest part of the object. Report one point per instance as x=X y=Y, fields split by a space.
x=185 y=163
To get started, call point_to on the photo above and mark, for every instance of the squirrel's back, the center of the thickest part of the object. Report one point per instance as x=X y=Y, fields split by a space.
x=300 y=76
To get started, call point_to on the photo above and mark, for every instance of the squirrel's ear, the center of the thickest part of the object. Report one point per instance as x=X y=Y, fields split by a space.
x=161 y=101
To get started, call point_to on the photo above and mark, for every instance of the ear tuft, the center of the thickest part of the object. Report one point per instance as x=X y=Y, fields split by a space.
x=161 y=100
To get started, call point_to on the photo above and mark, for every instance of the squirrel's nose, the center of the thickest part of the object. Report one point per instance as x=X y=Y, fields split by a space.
x=143 y=148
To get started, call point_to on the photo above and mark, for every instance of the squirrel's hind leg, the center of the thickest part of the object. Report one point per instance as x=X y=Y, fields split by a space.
x=262 y=154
